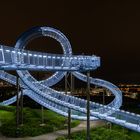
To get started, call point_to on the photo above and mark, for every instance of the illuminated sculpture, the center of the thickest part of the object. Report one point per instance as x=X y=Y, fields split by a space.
x=19 y=59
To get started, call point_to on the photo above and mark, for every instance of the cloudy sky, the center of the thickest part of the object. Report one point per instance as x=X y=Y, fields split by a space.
x=109 y=29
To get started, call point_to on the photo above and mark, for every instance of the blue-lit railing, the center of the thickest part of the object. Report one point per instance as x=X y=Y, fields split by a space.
x=44 y=61
x=20 y=59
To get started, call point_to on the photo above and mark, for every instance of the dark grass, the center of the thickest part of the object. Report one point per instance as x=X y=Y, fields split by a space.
x=31 y=122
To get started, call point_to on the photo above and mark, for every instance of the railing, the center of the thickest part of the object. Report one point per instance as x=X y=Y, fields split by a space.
x=21 y=59
x=120 y=117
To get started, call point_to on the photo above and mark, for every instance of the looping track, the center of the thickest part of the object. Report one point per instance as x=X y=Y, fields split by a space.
x=22 y=60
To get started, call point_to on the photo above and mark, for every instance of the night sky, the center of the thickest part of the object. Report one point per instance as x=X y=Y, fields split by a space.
x=109 y=29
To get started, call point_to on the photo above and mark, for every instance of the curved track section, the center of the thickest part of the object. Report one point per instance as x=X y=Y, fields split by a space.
x=53 y=33
x=57 y=101
x=49 y=32
x=117 y=102
x=78 y=110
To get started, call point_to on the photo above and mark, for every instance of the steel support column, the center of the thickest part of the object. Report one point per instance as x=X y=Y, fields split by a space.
x=88 y=106
x=21 y=104
x=69 y=123
x=66 y=83
x=17 y=107
x=42 y=115
x=104 y=92
x=69 y=110
x=72 y=84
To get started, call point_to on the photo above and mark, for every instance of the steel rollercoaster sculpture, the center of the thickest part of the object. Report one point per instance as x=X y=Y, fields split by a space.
x=21 y=60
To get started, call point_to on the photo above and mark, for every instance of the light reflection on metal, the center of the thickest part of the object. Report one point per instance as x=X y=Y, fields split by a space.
x=20 y=59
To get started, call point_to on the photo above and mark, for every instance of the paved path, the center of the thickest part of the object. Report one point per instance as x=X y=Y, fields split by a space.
x=56 y=134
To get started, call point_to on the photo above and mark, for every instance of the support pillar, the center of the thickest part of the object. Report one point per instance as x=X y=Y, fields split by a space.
x=42 y=115
x=69 y=123
x=88 y=106
x=66 y=83
x=69 y=110
x=21 y=104
x=72 y=84
x=17 y=107
x=104 y=91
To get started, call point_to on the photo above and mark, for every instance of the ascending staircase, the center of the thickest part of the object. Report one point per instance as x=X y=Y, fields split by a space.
x=41 y=92
x=59 y=102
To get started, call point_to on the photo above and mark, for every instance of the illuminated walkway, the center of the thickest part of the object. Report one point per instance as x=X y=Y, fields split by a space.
x=40 y=91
